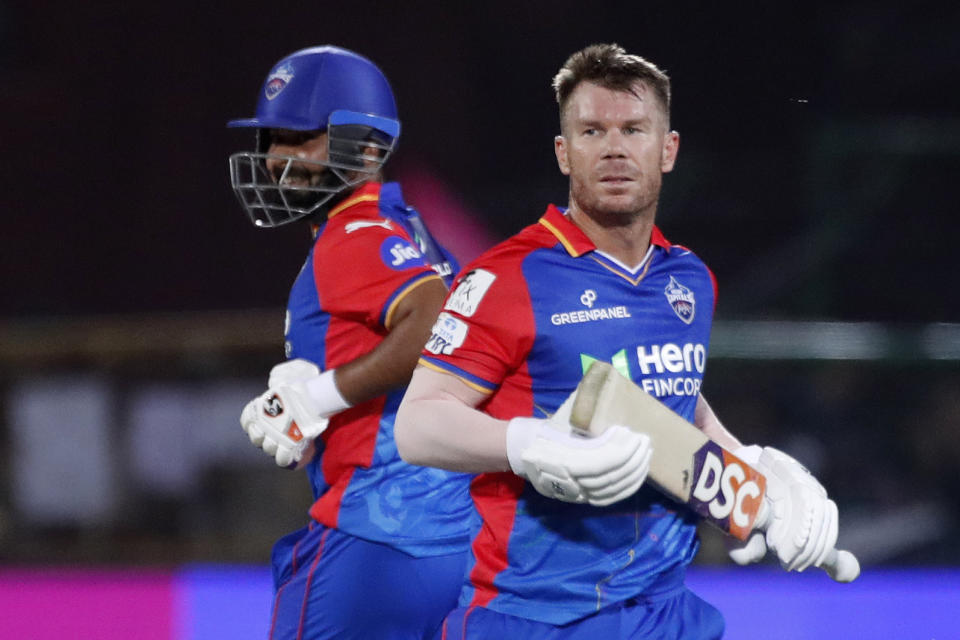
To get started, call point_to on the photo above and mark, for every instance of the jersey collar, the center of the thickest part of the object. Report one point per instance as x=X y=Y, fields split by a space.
x=369 y=192
x=575 y=241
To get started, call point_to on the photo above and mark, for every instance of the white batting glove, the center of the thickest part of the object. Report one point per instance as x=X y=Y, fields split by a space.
x=753 y=550
x=800 y=521
x=296 y=371
x=573 y=468
x=283 y=422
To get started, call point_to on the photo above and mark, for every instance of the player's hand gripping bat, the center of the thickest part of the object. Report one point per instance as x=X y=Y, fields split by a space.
x=686 y=465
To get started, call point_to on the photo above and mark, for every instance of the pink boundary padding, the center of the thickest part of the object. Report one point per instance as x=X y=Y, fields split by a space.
x=53 y=604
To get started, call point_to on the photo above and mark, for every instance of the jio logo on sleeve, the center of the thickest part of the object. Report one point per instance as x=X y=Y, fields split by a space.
x=399 y=254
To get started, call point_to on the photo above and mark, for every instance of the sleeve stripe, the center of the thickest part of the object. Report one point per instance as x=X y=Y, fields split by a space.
x=471 y=381
x=402 y=293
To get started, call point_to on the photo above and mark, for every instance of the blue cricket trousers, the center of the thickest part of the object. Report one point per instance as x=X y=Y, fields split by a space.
x=680 y=615
x=329 y=584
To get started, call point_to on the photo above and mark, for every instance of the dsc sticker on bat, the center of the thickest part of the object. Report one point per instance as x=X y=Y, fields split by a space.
x=726 y=490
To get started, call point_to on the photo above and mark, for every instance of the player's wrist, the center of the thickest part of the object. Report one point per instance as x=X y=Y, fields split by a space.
x=520 y=433
x=325 y=395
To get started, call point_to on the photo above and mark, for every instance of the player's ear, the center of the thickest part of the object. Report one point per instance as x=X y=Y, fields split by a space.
x=560 y=148
x=668 y=156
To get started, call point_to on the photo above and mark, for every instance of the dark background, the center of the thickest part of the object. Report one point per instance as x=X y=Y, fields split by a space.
x=818 y=141
x=820 y=147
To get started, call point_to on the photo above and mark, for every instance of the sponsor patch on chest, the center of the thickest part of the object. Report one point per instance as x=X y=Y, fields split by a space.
x=592 y=312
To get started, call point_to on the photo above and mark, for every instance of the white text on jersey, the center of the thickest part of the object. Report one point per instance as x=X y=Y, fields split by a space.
x=672 y=357
x=589 y=315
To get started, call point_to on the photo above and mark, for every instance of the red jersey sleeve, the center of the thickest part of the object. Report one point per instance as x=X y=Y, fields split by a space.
x=363 y=268
x=486 y=328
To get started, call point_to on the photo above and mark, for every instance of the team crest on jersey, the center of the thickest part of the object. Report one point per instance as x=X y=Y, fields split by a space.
x=278 y=80
x=681 y=300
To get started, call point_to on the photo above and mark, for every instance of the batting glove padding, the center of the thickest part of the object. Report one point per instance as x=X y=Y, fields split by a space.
x=801 y=522
x=283 y=422
x=573 y=468
x=291 y=372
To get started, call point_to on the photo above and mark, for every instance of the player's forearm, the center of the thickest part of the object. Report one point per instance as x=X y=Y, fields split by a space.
x=385 y=368
x=708 y=422
x=436 y=429
x=390 y=365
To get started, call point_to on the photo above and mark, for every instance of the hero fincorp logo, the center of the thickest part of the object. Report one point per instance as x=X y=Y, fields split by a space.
x=278 y=80
x=587 y=299
x=681 y=300
x=659 y=359
x=398 y=254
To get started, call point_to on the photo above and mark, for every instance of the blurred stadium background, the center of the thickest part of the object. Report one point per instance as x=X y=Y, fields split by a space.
x=820 y=145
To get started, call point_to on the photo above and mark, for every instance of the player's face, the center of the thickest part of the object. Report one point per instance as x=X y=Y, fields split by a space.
x=309 y=146
x=615 y=147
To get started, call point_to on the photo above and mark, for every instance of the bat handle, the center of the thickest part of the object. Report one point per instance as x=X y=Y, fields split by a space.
x=841 y=566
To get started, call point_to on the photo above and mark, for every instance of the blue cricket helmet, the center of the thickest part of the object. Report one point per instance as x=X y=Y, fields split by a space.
x=325 y=89
x=319 y=86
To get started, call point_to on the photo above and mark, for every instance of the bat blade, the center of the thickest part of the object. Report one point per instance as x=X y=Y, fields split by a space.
x=686 y=465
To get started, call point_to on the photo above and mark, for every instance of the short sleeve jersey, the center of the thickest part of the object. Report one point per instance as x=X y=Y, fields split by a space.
x=522 y=324
x=363 y=262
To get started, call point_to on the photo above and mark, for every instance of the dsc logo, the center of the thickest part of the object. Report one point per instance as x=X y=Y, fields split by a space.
x=727 y=491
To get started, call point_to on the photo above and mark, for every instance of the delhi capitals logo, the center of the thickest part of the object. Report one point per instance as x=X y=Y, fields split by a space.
x=681 y=299
x=278 y=80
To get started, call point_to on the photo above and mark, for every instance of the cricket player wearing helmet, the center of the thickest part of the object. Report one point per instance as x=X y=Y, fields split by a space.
x=384 y=552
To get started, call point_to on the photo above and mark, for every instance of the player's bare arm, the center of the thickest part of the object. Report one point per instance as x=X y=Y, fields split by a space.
x=391 y=363
x=438 y=426
x=707 y=421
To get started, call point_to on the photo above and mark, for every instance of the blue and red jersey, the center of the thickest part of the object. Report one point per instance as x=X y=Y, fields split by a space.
x=522 y=324
x=366 y=257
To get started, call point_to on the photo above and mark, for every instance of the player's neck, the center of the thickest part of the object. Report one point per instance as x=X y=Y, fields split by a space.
x=626 y=238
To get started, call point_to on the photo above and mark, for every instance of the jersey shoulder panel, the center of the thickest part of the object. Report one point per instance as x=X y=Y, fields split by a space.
x=486 y=326
x=361 y=251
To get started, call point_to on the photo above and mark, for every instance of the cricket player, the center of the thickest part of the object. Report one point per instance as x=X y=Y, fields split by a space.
x=574 y=545
x=385 y=550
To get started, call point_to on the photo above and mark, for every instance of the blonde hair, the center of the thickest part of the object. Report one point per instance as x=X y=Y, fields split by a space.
x=611 y=67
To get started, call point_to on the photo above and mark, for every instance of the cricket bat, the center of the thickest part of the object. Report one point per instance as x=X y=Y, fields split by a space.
x=686 y=466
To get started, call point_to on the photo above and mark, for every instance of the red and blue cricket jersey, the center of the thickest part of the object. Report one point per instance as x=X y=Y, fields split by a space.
x=523 y=323
x=366 y=257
